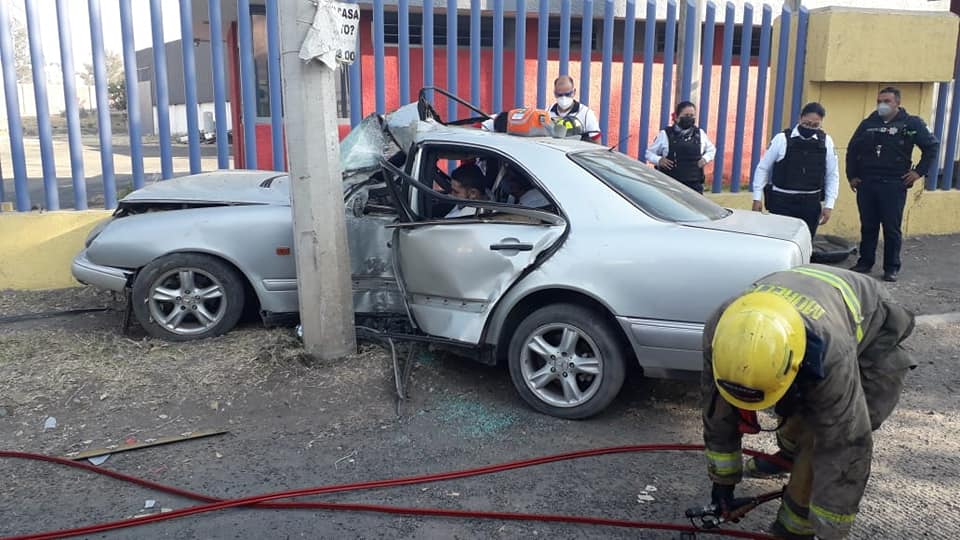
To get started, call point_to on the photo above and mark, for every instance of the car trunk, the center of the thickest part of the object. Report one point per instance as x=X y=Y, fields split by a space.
x=769 y=225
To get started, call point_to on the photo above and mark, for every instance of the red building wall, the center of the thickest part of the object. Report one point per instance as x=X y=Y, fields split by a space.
x=463 y=79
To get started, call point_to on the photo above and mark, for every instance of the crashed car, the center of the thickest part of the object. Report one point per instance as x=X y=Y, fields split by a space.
x=617 y=264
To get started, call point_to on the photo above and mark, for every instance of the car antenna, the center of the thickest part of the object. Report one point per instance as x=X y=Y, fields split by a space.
x=616 y=144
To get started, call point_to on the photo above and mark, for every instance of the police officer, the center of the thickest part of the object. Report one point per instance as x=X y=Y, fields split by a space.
x=880 y=171
x=804 y=172
x=577 y=114
x=822 y=346
x=682 y=150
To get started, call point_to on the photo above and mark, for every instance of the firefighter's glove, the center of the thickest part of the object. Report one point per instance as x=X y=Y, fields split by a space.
x=722 y=497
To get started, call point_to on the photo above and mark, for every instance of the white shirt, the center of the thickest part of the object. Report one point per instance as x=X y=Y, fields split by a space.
x=460 y=211
x=776 y=153
x=532 y=198
x=661 y=147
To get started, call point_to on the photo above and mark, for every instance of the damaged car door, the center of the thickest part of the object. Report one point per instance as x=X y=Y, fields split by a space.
x=454 y=270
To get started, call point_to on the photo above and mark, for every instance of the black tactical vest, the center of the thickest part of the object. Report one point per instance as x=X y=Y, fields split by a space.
x=804 y=166
x=684 y=151
x=885 y=150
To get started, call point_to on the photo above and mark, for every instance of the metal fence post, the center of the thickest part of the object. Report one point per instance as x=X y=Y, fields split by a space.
x=520 y=54
x=14 y=124
x=746 y=38
x=728 y=29
x=219 y=85
x=780 y=86
x=626 y=83
x=649 y=34
x=666 y=96
x=542 y=58
x=248 y=84
x=163 y=96
x=103 y=106
x=190 y=82
x=51 y=193
x=497 y=55
x=586 y=50
x=403 y=52
x=763 y=66
x=707 y=61
x=132 y=92
x=73 y=115
x=606 y=71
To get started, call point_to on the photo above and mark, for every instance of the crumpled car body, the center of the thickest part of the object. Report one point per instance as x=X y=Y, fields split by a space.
x=625 y=265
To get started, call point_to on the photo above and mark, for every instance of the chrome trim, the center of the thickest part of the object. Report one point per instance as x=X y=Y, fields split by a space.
x=280 y=284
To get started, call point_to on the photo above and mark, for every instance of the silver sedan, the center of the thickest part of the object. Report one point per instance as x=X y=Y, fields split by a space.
x=616 y=263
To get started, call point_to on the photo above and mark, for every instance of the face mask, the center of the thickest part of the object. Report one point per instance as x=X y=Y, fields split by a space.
x=806 y=132
x=564 y=102
x=686 y=122
x=884 y=110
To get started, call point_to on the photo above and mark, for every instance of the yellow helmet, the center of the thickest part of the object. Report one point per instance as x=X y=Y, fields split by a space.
x=758 y=347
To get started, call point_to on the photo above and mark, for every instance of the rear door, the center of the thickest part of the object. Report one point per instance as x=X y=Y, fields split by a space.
x=454 y=270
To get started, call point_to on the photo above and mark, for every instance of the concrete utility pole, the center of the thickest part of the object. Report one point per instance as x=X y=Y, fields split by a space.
x=794 y=5
x=681 y=44
x=319 y=225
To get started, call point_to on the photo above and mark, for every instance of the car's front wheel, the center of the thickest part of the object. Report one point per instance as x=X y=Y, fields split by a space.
x=186 y=296
x=566 y=361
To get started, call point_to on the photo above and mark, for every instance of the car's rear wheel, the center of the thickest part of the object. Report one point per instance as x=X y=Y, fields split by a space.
x=566 y=361
x=186 y=296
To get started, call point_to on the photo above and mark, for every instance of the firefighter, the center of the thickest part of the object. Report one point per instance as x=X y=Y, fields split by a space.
x=880 y=170
x=822 y=347
x=682 y=150
x=803 y=163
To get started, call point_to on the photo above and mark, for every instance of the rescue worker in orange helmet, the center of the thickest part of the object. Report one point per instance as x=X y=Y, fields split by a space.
x=822 y=347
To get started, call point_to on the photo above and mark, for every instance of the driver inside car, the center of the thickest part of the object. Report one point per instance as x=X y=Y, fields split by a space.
x=521 y=192
x=467 y=182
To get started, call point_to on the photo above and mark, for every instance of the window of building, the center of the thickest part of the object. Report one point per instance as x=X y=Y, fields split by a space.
x=391 y=26
x=754 y=41
x=576 y=34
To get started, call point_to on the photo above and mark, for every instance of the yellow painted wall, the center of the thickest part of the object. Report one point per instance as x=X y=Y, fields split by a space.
x=36 y=248
x=851 y=55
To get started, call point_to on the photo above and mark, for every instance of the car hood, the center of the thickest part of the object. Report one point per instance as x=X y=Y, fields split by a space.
x=758 y=224
x=224 y=186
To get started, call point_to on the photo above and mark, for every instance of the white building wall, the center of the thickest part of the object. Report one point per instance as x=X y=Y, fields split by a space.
x=178 y=118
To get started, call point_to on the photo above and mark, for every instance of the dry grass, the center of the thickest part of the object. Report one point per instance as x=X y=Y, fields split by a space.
x=86 y=359
x=52 y=364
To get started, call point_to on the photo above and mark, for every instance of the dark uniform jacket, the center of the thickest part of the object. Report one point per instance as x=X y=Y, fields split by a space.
x=849 y=382
x=882 y=151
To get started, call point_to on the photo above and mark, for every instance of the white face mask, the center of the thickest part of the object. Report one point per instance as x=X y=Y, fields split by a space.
x=564 y=102
x=884 y=109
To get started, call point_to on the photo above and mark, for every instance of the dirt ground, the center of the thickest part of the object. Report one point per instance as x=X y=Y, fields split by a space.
x=297 y=423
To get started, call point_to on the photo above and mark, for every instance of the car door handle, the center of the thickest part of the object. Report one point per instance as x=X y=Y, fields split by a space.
x=511 y=247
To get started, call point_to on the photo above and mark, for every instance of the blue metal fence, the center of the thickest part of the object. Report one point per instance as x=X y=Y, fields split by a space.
x=387 y=55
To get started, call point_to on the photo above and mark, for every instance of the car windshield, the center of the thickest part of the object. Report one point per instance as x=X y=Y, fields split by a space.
x=653 y=192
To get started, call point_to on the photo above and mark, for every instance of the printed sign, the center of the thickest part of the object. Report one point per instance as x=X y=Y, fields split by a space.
x=334 y=35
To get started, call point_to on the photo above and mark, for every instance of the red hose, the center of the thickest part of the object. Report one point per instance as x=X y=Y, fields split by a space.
x=262 y=501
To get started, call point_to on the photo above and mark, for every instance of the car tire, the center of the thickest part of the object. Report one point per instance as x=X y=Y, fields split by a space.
x=544 y=366
x=208 y=294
